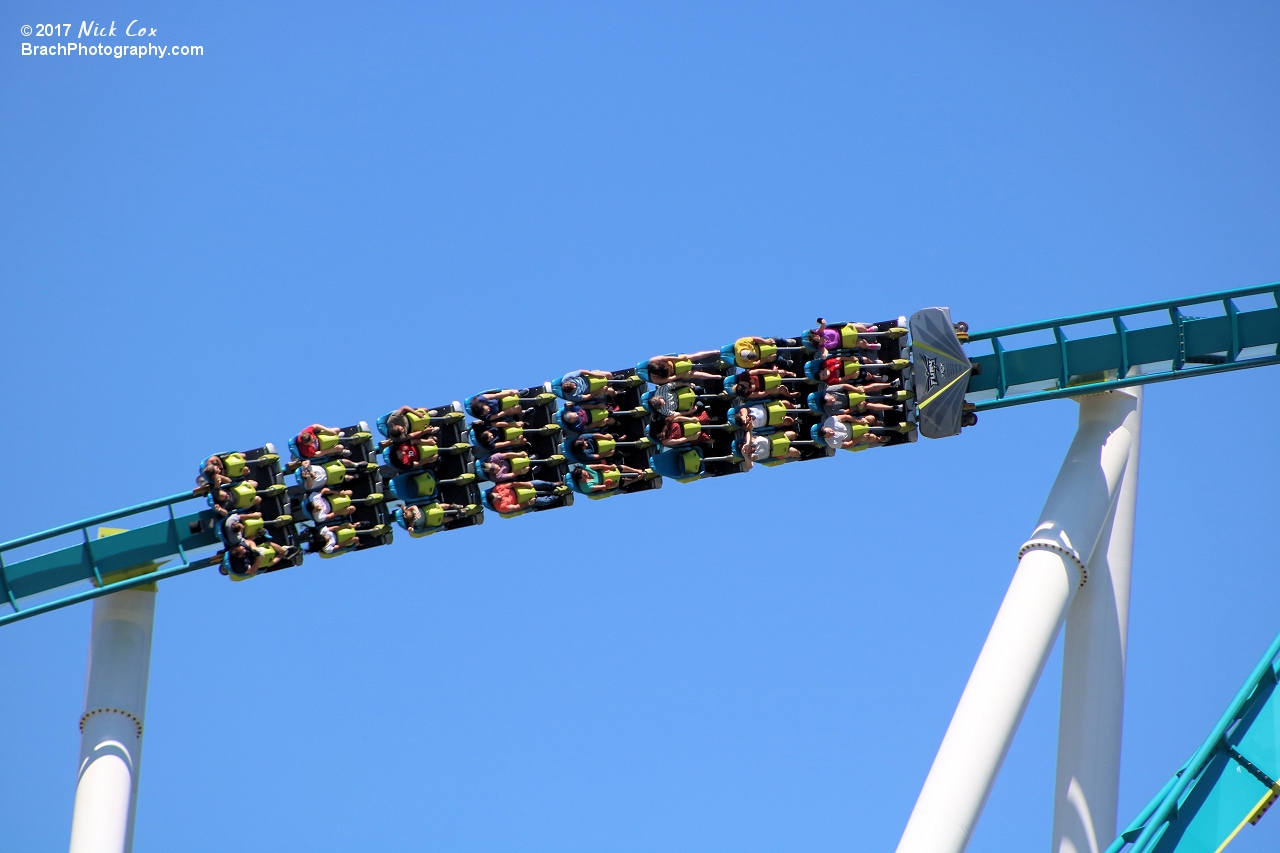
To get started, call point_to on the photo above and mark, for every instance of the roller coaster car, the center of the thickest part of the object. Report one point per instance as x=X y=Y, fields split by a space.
x=541 y=430
x=262 y=465
x=636 y=449
x=716 y=458
x=366 y=481
x=456 y=457
x=941 y=371
x=895 y=357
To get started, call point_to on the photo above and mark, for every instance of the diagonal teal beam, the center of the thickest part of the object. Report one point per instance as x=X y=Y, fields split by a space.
x=1181 y=797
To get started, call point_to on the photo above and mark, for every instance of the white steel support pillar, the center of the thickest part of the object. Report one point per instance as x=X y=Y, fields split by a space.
x=111 y=728
x=1051 y=568
x=1093 y=673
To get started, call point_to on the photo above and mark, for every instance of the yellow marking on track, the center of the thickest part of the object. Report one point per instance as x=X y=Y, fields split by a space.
x=1270 y=792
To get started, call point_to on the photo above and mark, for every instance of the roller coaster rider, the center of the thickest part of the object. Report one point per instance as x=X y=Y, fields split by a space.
x=854 y=398
x=241 y=526
x=681 y=430
x=756 y=447
x=846 y=431
x=320 y=441
x=316 y=475
x=826 y=340
x=756 y=416
x=596 y=447
x=606 y=478
x=760 y=383
x=414 y=454
x=328 y=540
x=497 y=405
x=505 y=435
x=580 y=386
x=668 y=368
x=218 y=471
x=518 y=495
x=754 y=351
x=422 y=518
x=249 y=557
x=587 y=417
x=325 y=505
x=401 y=425
x=500 y=436
x=242 y=495
x=835 y=369
x=503 y=467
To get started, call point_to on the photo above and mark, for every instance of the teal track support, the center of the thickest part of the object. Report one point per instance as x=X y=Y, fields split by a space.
x=1187 y=345
x=1229 y=782
x=97 y=560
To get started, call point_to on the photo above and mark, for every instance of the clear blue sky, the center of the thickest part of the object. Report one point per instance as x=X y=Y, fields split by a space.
x=358 y=203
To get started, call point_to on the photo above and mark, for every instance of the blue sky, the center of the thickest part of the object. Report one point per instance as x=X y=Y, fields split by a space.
x=334 y=212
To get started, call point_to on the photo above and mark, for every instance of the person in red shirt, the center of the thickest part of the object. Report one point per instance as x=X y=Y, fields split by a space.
x=679 y=430
x=317 y=440
x=525 y=494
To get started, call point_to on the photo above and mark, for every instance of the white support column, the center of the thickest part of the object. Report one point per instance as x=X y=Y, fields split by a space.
x=1051 y=568
x=1093 y=673
x=111 y=728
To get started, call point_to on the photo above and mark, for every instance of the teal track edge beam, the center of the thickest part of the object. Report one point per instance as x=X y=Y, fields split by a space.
x=1190 y=345
x=90 y=594
x=97 y=559
x=1196 y=783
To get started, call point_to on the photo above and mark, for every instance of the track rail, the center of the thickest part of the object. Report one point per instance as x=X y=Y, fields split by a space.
x=1187 y=345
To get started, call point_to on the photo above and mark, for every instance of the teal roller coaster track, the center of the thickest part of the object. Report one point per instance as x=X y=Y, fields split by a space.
x=1230 y=781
